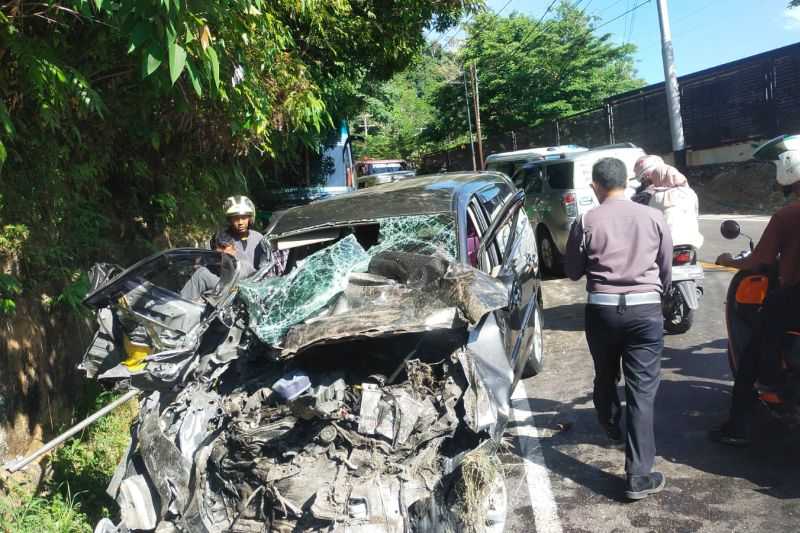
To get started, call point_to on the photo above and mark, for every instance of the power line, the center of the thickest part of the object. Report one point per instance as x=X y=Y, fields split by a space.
x=631 y=10
x=691 y=29
x=609 y=6
x=546 y=11
x=630 y=29
x=504 y=7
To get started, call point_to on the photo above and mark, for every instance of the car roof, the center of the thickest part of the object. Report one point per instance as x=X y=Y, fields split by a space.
x=536 y=152
x=426 y=195
x=609 y=150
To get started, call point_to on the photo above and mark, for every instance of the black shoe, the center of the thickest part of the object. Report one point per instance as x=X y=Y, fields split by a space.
x=642 y=486
x=614 y=432
x=729 y=435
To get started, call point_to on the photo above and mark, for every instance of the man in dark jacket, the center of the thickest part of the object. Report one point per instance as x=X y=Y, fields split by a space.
x=625 y=251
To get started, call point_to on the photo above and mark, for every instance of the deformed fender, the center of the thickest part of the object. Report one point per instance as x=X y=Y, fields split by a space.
x=688 y=291
x=490 y=376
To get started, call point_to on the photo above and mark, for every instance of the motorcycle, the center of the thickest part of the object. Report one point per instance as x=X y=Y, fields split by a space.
x=746 y=294
x=682 y=298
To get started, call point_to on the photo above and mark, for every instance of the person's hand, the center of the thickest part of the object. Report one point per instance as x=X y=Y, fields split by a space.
x=724 y=259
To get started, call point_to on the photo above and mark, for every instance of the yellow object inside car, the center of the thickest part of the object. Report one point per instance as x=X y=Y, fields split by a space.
x=136 y=353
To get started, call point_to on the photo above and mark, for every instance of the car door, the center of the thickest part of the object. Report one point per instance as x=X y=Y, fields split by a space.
x=530 y=178
x=508 y=245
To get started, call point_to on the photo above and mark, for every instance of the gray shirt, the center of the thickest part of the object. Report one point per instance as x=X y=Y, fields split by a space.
x=622 y=247
x=248 y=251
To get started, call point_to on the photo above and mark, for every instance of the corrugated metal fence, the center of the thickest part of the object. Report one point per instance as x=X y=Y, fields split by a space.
x=754 y=98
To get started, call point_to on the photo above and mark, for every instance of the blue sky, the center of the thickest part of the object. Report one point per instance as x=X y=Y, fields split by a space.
x=705 y=32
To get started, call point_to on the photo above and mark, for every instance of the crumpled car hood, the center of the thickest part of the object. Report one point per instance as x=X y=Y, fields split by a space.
x=367 y=390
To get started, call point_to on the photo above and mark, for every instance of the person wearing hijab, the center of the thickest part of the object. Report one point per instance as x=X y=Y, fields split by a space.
x=668 y=191
x=643 y=165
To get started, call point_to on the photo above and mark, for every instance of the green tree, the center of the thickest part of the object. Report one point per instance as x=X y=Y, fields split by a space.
x=530 y=72
x=123 y=119
x=401 y=108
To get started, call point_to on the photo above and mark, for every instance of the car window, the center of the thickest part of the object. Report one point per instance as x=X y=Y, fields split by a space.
x=559 y=176
x=506 y=167
x=497 y=246
x=476 y=226
x=529 y=179
x=491 y=198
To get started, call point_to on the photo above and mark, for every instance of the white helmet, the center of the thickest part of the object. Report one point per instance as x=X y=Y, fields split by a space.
x=239 y=205
x=784 y=151
x=788 y=164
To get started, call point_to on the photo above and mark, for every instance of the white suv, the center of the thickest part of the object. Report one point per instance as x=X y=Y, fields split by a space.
x=557 y=191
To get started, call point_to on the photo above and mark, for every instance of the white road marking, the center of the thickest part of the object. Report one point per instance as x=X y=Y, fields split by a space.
x=539 y=491
x=748 y=218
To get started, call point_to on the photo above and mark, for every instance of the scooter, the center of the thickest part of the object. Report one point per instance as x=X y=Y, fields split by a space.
x=684 y=294
x=746 y=294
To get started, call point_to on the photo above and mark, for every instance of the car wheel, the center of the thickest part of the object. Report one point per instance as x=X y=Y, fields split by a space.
x=551 y=258
x=535 y=361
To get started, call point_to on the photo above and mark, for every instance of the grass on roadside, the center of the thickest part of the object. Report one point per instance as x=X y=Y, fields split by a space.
x=74 y=497
x=20 y=512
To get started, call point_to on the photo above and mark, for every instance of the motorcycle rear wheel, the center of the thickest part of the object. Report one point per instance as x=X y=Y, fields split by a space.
x=679 y=322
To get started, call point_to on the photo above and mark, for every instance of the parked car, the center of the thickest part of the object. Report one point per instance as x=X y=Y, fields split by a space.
x=364 y=384
x=384 y=177
x=558 y=190
x=510 y=162
x=371 y=172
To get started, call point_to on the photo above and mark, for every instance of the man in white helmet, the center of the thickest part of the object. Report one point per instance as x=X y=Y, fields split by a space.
x=780 y=244
x=241 y=213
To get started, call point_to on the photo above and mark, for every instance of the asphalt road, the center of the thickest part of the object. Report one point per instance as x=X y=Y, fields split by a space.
x=565 y=477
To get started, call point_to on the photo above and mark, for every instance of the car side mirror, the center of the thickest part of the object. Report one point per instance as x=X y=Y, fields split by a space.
x=730 y=229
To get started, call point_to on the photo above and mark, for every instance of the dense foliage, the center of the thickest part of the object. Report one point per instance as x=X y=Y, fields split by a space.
x=123 y=119
x=402 y=108
x=531 y=72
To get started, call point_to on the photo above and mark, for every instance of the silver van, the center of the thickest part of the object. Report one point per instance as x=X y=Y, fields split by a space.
x=510 y=162
x=557 y=189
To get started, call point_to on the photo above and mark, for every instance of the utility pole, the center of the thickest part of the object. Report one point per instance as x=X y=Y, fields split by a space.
x=671 y=86
x=469 y=122
x=365 y=117
x=476 y=105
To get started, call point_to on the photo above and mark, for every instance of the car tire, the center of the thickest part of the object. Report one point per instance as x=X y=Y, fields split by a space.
x=549 y=255
x=534 y=363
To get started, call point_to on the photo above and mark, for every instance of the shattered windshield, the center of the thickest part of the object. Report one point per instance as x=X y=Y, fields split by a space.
x=275 y=304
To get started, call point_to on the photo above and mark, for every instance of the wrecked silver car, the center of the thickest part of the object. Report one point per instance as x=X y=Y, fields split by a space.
x=359 y=382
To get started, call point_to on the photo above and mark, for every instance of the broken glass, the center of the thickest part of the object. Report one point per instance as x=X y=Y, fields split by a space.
x=275 y=304
x=421 y=234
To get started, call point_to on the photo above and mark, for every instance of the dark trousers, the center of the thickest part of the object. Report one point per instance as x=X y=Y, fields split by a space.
x=635 y=335
x=762 y=358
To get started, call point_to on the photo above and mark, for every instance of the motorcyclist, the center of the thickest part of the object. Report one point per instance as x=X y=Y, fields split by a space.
x=761 y=360
x=643 y=165
x=241 y=213
x=203 y=280
x=667 y=190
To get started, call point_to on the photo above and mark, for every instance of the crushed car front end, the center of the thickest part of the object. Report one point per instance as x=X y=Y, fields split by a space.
x=366 y=388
